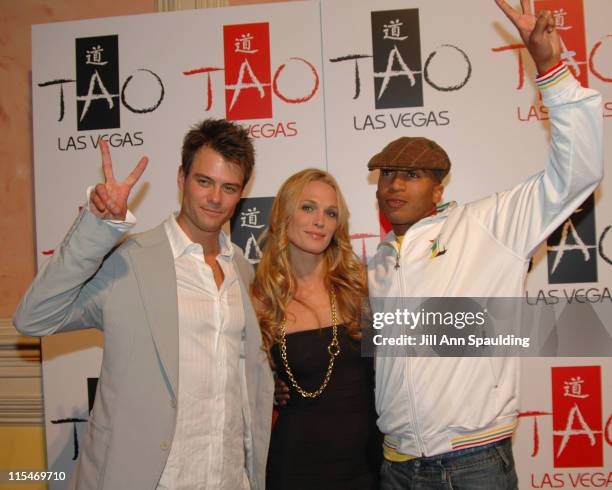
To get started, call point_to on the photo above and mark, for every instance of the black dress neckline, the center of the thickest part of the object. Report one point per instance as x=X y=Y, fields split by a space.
x=318 y=329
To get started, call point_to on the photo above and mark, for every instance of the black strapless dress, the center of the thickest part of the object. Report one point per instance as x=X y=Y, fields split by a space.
x=329 y=442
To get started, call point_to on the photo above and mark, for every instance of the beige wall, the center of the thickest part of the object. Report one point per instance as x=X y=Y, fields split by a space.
x=251 y=2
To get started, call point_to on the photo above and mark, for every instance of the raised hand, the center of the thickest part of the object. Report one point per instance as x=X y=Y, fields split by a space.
x=110 y=199
x=538 y=33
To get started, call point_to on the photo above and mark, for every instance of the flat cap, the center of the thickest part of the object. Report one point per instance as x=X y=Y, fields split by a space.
x=411 y=152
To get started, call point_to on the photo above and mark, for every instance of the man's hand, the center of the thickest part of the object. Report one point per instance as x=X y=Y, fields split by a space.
x=538 y=34
x=110 y=199
x=281 y=392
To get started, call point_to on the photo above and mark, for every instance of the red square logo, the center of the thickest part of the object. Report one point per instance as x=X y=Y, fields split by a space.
x=248 y=91
x=577 y=416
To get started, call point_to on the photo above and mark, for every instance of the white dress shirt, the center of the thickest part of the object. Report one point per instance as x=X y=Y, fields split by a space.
x=207 y=450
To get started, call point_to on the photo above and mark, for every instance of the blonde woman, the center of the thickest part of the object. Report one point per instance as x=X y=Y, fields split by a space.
x=309 y=293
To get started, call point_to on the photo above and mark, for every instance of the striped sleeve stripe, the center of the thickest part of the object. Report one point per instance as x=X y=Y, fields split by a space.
x=485 y=433
x=552 y=70
x=484 y=441
x=483 y=437
x=553 y=77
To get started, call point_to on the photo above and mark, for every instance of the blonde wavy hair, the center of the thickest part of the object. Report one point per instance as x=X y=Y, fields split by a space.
x=275 y=284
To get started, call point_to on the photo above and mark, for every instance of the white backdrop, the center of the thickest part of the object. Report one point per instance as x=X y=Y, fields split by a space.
x=490 y=124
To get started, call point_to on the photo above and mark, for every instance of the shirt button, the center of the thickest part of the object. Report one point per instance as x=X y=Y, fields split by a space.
x=165 y=445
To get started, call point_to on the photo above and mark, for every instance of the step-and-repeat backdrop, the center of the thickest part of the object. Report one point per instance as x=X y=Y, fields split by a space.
x=327 y=84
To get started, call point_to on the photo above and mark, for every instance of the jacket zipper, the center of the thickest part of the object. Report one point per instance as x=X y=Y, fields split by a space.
x=409 y=368
x=413 y=410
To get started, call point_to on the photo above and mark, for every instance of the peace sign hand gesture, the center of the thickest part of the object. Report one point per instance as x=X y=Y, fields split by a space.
x=110 y=198
x=538 y=33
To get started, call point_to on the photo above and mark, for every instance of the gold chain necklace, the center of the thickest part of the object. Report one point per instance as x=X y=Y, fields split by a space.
x=333 y=348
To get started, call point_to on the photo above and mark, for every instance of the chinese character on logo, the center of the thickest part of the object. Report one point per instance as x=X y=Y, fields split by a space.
x=252 y=251
x=559 y=16
x=94 y=56
x=573 y=388
x=243 y=44
x=392 y=30
x=249 y=219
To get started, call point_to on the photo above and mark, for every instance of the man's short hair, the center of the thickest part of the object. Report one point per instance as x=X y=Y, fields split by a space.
x=229 y=139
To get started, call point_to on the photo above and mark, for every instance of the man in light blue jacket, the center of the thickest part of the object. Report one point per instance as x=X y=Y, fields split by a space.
x=184 y=398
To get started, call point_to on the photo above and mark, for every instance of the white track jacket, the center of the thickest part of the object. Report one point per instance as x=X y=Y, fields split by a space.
x=429 y=406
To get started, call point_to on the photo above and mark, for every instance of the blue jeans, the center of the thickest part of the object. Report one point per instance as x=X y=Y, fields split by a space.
x=489 y=467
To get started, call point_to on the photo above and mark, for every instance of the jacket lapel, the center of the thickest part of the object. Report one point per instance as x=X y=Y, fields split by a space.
x=156 y=276
x=258 y=385
x=255 y=356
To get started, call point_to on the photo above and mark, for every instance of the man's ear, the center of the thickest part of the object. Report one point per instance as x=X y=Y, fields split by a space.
x=180 y=179
x=438 y=193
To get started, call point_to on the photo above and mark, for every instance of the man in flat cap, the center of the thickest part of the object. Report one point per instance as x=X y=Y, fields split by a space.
x=448 y=421
x=424 y=164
